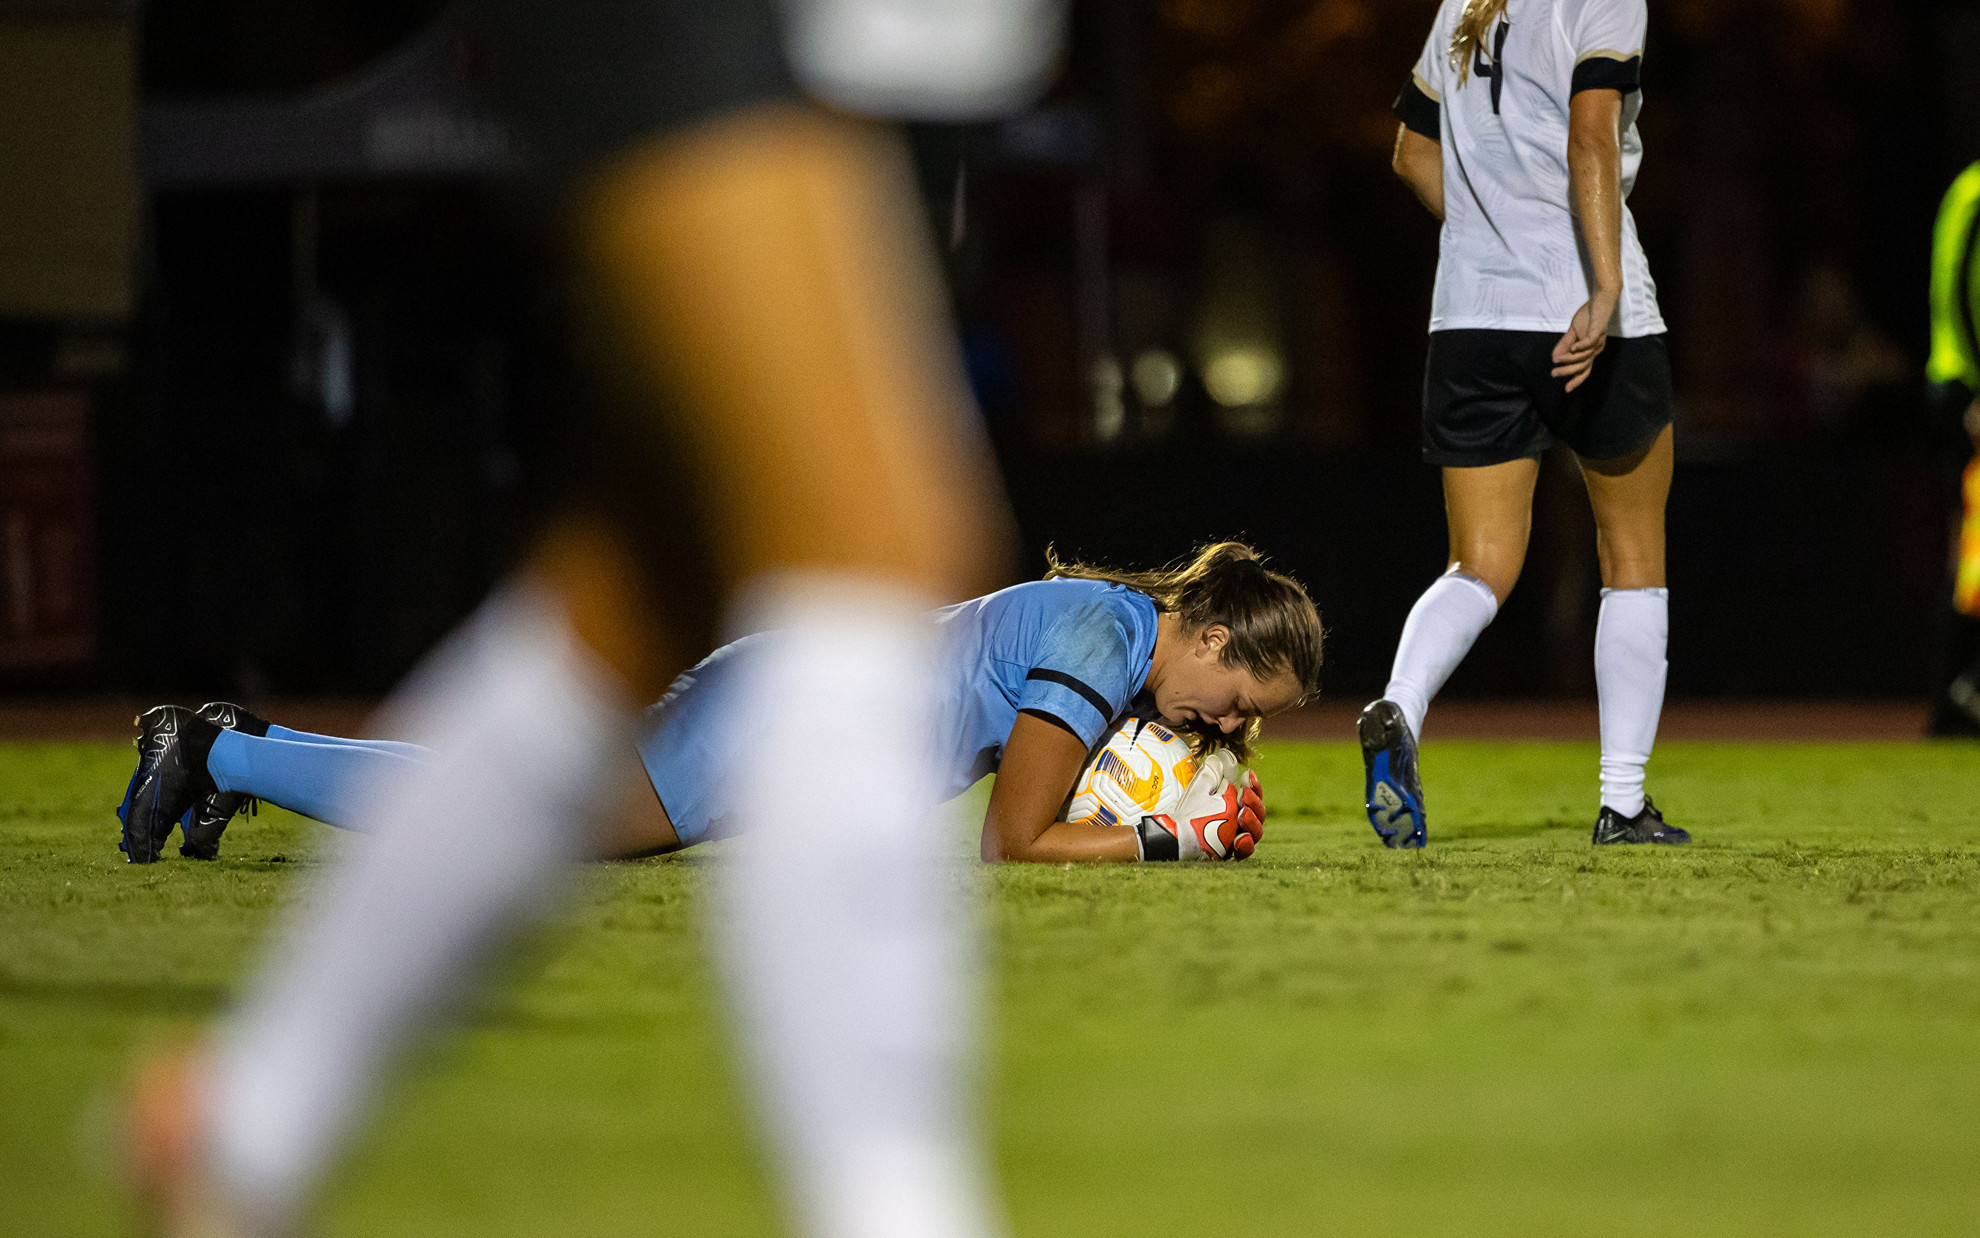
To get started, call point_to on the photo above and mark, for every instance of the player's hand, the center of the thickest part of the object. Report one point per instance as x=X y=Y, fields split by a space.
x=1219 y=818
x=1587 y=335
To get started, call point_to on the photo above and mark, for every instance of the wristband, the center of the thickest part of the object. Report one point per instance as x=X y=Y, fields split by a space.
x=1154 y=841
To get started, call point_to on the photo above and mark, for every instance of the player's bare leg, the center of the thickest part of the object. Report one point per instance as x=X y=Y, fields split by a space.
x=1490 y=513
x=755 y=270
x=610 y=602
x=1628 y=497
x=849 y=500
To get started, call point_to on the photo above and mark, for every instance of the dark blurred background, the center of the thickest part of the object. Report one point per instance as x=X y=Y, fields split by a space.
x=276 y=395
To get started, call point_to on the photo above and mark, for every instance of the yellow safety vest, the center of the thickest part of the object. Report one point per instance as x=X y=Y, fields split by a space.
x=1956 y=350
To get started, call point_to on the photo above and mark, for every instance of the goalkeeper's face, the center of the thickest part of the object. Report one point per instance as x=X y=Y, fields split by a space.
x=1202 y=692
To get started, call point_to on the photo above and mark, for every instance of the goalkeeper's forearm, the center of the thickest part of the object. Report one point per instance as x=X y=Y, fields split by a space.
x=1066 y=842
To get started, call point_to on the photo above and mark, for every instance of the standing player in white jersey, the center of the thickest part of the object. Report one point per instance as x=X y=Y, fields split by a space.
x=1519 y=132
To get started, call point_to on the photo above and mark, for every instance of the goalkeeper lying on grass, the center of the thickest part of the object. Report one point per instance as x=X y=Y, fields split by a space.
x=1034 y=677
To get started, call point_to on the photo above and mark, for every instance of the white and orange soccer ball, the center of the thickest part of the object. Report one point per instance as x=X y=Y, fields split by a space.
x=1140 y=768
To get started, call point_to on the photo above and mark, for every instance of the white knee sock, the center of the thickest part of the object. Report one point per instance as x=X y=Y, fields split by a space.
x=1629 y=682
x=1440 y=631
x=522 y=723
x=843 y=920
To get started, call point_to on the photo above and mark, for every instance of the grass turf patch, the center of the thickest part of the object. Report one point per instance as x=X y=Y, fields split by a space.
x=1769 y=1032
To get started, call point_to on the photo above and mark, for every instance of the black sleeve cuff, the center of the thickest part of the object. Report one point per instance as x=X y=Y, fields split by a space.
x=1419 y=113
x=1607 y=73
x=1086 y=693
x=1056 y=721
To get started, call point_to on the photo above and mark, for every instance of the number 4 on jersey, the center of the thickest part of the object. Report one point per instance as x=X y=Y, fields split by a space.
x=1494 y=68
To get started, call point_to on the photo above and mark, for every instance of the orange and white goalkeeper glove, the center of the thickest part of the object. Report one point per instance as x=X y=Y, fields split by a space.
x=1218 y=818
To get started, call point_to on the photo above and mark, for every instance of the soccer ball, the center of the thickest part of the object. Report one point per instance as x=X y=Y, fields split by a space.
x=1141 y=767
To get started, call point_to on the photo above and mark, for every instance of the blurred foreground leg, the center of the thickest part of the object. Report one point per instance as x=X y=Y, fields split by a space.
x=763 y=272
x=521 y=721
x=843 y=927
x=768 y=274
x=852 y=496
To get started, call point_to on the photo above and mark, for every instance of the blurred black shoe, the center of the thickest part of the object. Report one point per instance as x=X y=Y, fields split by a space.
x=1645 y=827
x=207 y=820
x=170 y=778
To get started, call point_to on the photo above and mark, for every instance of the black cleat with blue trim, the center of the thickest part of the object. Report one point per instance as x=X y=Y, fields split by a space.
x=1394 y=790
x=170 y=778
x=207 y=819
x=1648 y=826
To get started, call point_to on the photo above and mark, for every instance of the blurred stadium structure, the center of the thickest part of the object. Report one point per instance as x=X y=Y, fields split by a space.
x=279 y=374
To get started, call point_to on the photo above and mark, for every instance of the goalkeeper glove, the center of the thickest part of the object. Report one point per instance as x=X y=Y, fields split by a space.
x=1218 y=819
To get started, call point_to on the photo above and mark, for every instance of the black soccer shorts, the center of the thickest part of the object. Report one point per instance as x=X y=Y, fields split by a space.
x=585 y=79
x=1490 y=397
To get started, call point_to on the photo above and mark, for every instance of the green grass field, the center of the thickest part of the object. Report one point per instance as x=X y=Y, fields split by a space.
x=1774 y=1031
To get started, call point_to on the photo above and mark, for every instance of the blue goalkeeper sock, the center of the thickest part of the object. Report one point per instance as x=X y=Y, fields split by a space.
x=320 y=779
x=414 y=751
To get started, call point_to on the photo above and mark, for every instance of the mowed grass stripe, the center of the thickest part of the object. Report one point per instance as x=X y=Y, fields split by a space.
x=1770 y=1032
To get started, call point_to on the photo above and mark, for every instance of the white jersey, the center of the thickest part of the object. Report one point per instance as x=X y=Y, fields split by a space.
x=1511 y=256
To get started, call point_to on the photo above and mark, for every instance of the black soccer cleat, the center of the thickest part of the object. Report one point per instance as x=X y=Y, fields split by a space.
x=170 y=778
x=1645 y=827
x=1394 y=790
x=208 y=818
x=231 y=717
x=144 y=723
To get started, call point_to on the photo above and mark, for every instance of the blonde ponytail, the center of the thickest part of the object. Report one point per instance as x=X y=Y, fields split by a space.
x=1173 y=587
x=1472 y=24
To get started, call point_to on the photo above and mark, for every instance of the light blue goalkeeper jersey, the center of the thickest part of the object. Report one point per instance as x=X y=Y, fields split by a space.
x=1073 y=652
